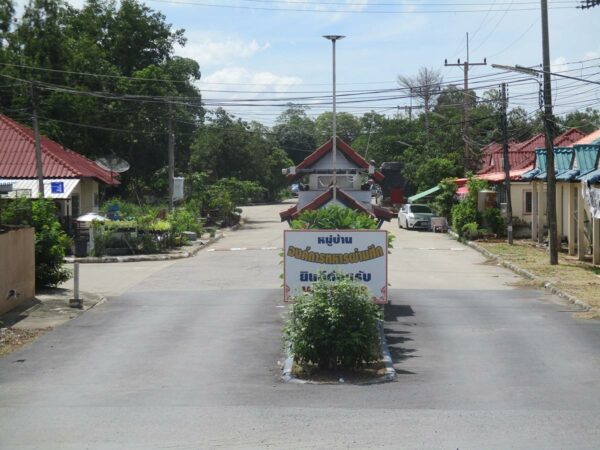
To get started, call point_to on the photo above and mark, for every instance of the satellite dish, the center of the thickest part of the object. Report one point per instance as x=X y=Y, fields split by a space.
x=113 y=164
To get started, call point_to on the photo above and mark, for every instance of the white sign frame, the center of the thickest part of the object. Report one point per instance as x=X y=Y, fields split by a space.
x=365 y=253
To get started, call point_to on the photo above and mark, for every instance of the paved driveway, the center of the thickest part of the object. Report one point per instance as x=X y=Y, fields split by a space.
x=187 y=358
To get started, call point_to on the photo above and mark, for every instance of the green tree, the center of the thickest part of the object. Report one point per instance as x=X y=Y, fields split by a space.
x=295 y=133
x=348 y=127
x=226 y=147
x=586 y=121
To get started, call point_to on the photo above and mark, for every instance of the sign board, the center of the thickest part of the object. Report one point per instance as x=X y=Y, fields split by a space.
x=360 y=255
x=57 y=187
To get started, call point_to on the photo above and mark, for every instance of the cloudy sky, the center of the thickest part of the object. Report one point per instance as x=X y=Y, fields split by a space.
x=273 y=50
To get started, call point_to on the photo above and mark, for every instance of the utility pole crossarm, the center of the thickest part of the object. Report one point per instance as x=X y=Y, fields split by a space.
x=465 y=65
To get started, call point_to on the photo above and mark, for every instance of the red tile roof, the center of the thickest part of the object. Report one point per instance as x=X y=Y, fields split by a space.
x=589 y=139
x=521 y=155
x=347 y=151
x=343 y=197
x=17 y=156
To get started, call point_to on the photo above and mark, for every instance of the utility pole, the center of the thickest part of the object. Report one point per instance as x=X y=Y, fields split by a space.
x=38 y=147
x=549 y=128
x=509 y=221
x=410 y=110
x=171 y=155
x=465 y=65
x=333 y=39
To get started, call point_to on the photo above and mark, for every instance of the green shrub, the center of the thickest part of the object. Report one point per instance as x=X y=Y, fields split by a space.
x=51 y=242
x=184 y=220
x=445 y=200
x=464 y=213
x=470 y=230
x=492 y=218
x=334 y=217
x=333 y=326
x=102 y=237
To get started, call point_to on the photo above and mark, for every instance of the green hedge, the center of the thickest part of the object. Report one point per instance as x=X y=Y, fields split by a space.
x=51 y=242
x=334 y=326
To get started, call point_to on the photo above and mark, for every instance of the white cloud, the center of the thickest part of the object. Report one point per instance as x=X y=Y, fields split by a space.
x=254 y=81
x=213 y=52
x=357 y=5
x=559 y=65
x=349 y=5
x=591 y=55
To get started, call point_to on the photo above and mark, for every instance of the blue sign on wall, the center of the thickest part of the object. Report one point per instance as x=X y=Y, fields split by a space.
x=57 y=187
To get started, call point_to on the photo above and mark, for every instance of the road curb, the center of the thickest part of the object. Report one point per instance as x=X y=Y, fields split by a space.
x=390 y=371
x=524 y=273
x=160 y=257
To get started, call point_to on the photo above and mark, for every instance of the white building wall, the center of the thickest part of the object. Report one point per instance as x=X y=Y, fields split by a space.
x=518 y=191
x=88 y=194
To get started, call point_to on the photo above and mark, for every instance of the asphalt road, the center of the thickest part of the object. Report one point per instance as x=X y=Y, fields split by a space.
x=185 y=355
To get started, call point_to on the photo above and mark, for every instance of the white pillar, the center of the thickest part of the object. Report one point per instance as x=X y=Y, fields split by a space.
x=572 y=222
x=581 y=241
x=596 y=242
x=534 y=212
x=541 y=220
x=559 y=213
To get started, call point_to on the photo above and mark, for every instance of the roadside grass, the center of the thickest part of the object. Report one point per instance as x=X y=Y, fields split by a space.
x=578 y=278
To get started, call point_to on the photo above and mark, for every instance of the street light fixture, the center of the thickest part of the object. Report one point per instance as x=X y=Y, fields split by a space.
x=333 y=38
x=517 y=68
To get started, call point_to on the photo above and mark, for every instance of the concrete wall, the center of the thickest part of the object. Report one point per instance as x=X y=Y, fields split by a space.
x=17 y=267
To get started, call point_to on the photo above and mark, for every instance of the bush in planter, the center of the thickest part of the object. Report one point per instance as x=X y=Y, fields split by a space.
x=334 y=326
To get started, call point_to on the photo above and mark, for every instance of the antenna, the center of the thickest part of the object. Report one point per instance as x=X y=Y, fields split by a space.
x=113 y=164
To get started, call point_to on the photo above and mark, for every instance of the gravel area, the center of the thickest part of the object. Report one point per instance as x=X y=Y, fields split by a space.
x=13 y=339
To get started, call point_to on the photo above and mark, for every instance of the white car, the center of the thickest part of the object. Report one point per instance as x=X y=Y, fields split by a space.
x=415 y=216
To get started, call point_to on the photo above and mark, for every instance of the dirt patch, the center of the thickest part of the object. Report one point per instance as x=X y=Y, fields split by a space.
x=368 y=374
x=12 y=339
x=578 y=278
x=591 y=314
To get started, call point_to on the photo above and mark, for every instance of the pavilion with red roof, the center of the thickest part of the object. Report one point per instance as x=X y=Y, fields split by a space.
x=350 y=190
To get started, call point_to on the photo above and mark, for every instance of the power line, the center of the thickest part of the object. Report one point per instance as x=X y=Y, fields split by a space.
x=348 y=11
x=91 y=74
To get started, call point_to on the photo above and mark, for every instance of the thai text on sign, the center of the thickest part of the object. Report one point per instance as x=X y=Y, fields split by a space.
x=359 y=255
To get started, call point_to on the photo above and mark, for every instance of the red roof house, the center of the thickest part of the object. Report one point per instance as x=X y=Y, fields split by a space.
x=521 y=155
x=68 y=176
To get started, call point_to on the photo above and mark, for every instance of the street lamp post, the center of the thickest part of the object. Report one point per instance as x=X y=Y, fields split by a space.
x=333 y=38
